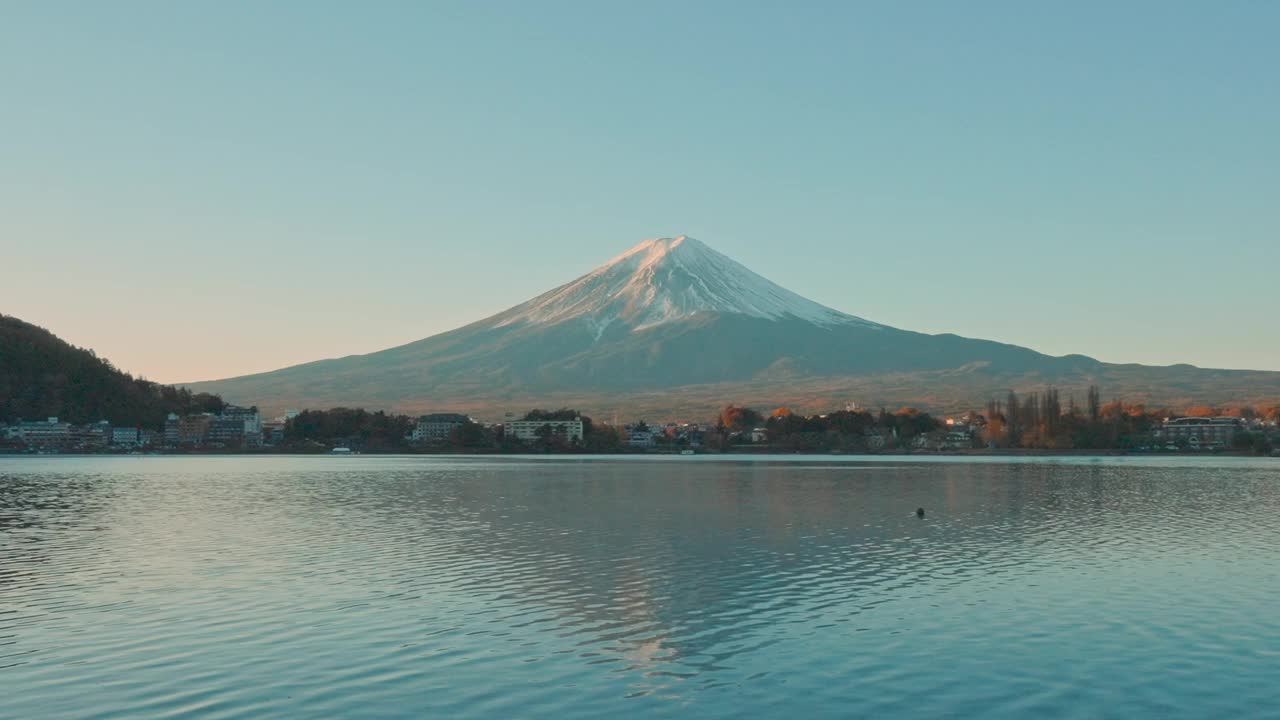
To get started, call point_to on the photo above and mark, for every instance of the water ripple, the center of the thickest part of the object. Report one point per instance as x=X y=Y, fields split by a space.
x=414 y=587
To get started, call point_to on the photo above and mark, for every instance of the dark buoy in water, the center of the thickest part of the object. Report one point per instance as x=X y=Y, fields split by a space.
x=919 y=512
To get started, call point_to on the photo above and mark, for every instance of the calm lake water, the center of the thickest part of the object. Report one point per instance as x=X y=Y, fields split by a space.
x=503 y=588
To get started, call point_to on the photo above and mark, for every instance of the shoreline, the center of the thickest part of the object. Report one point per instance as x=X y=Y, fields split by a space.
x=736 y=452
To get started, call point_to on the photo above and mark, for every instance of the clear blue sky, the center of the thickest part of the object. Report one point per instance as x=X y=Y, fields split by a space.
x=205 y=189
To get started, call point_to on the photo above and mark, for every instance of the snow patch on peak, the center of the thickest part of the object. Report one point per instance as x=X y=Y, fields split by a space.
x=667 y=279
x=655 y=251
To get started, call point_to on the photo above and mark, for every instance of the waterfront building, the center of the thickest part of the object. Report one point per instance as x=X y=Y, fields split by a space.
x=172 y=429
x=527 y=430
x=1201 y=431
x=273 y=432
x=640 y=438
x=236 y=425
x=194 y=429
x=44 y=432
x=437 y=426
x=225 y=430
x=93 y=435
x=125 y=436
x=250 y=421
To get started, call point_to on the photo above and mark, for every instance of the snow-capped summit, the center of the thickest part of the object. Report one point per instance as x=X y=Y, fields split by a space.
x=668 y=279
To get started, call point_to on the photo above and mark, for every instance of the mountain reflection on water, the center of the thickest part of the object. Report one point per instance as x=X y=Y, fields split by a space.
x=498 y=588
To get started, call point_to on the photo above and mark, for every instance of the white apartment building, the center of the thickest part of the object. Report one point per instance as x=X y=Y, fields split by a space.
x=527 y=430
x=438 y=426
x=47 y=431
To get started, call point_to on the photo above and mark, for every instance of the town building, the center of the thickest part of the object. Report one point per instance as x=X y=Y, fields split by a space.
x=237 y=425
x=273 y=432
x=128 y=436
x=172 y=430
x=639 y=437
x=225 y=431
x=1201 y=431
x=947 y=438
x=527 y=430
x=437 y=426
x=194 y=429
x=93 y=435
x=44 y=432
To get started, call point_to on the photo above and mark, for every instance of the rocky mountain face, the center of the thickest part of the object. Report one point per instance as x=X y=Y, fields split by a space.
x=672 y=327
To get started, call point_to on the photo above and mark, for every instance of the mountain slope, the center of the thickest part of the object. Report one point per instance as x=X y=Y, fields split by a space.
x=674 y=326
x=43 y=376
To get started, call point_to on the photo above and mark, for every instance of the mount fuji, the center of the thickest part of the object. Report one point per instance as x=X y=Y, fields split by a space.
x=673 y=327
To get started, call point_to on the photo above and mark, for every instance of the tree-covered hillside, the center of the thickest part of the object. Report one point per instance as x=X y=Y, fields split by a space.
x=42 y=376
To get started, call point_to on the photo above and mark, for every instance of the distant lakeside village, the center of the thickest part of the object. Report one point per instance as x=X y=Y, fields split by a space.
x=1030 y=423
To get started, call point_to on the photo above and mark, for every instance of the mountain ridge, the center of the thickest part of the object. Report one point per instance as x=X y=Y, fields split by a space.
x=669 y=323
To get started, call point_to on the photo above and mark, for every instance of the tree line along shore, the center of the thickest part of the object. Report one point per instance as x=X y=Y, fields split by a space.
x=1040 y=422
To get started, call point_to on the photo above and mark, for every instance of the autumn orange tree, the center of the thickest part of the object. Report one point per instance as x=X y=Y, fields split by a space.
x=734 y=417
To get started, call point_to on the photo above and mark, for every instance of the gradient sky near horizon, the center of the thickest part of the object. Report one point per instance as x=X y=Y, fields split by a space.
x=199 y=190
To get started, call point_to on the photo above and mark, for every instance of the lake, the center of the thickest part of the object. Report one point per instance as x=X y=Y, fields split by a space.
x=319 y=587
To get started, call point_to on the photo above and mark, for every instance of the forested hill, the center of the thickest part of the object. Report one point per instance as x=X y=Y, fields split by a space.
x=43 y=376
